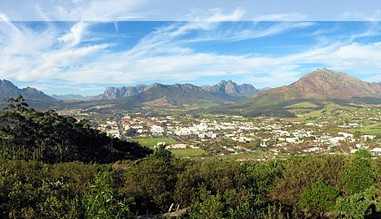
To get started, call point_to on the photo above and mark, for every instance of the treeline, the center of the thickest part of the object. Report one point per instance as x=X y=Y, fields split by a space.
x=314 y=186
x=46 y=136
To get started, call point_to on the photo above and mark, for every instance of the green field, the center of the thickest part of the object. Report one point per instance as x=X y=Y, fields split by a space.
x=197 y=152
x=302 y=105
x=257 y=154
x=151 y=142
x=374 y=129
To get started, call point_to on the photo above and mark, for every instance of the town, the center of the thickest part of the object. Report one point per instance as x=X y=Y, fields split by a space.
x=335 y=129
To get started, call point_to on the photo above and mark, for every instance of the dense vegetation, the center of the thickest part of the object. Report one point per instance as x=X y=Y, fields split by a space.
x=37 y=181
x=46 y=136
x=301 y=187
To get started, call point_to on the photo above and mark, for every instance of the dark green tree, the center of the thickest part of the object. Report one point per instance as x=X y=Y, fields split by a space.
x=358 y=174
x=101 y=200
x=319 y=198
x=46 y=136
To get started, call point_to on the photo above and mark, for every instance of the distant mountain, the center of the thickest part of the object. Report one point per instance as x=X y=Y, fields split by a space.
x=177 y=95
x=317 y=86
x=34 y=97
x=231 y=88
x=228 y=88
x=323 y=84
x=72 y=97
x=120 y=92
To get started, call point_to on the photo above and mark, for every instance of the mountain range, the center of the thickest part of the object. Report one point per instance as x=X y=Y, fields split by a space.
x=34 y=97
x=72 y=97
x=317 y=86
x=228 y=88
x=177 y=95
x=154 y=95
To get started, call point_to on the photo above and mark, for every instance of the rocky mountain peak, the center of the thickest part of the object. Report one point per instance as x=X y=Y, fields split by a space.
x=231 y=88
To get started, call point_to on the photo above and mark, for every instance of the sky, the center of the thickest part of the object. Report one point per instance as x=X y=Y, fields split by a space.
x=81 y=47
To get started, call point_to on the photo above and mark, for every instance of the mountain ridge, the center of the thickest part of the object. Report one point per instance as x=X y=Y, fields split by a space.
x=324 y=84
x=317 y=86
x=223 y=88
x=34 y=97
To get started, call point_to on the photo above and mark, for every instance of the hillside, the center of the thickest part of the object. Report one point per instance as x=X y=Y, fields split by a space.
x=315 y=87
x=324 y=84
x=34 y=97
x=28 y=134
x=120 y=92
x=223 y=88
x=178 y=95
x=231 y=88
x=160 y=96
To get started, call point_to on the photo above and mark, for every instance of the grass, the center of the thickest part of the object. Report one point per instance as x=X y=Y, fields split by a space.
x=302 y=105
x=328 y=108
x=257 y=154
x=151 y=142
x=190 y=152
x=374 y=129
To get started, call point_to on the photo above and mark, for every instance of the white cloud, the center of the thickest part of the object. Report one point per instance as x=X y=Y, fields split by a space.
x=4 y=17
x=167 y=54
x=75 y=35
x=358 y=15
x=282 y=17
x=95 y=10
x=215 y=15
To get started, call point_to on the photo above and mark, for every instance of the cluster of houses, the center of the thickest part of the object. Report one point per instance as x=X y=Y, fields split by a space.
x=291 y=136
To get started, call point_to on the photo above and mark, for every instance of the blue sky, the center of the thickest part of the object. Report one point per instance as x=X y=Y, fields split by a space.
x=85 y=54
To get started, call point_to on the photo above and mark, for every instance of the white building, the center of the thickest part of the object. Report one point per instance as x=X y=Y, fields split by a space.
x=376 y=151
x=155 y=129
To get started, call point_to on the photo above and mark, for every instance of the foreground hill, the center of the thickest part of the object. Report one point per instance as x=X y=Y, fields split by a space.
x=33 y=96
x=316 y=87
x=46 y=136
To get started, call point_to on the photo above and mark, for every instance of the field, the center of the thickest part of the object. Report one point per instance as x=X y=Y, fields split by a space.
x=374 y=129
x=328 y=108
x=188 y=152
x=302 y=105
x=255 y=155
x=151 y=142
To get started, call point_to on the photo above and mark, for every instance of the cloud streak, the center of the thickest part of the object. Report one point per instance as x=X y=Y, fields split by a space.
x=75 y=55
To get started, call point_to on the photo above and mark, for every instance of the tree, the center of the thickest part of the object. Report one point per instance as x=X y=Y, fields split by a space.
x=358 y=174
x=261 y=177
x=46 y=136
x=302 y=172
x=151 y=182
x=357 y=205
x=319 y=198
x=102 y=201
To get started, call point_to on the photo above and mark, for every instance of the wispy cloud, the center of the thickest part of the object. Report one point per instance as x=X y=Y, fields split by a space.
x=358 y=15
x=95 y=10
x=55 y=52
x=75 y=35
x=217 y=15
x=281 y=17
